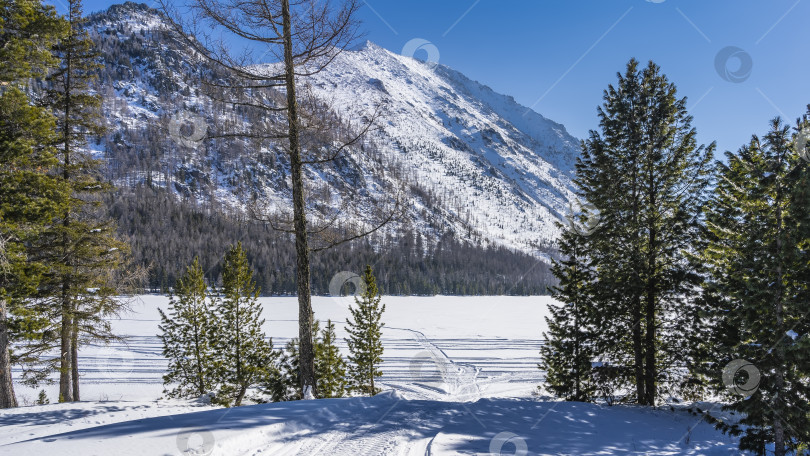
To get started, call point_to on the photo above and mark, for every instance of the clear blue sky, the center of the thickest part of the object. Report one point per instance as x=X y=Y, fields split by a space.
x=559 y=55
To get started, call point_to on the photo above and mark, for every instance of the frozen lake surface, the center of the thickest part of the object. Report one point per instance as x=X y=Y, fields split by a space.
x=460 y=375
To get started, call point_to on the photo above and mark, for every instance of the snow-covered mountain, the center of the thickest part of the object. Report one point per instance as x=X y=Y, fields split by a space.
x=465 y=160
x=505 y=170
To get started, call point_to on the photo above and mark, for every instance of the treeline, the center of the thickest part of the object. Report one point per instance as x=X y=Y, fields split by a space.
x=166 y=234
x=685 y=277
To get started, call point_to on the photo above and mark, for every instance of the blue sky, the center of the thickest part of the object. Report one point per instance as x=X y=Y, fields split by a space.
x=558 y=56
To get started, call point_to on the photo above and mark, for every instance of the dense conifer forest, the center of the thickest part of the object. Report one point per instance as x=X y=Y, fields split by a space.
x=166 y=234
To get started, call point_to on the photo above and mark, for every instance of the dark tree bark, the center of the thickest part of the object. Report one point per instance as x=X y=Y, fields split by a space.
x=309 y=386
x=779 y=378
x=7 y=397
x=74 y=357
x=638 y=351
x=65 y=393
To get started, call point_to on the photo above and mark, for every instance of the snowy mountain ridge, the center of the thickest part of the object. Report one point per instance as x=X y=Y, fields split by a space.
x=508 y=168
x=469 y=161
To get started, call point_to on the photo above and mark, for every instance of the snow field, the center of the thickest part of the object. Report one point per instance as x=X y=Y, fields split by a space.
x=459 y=374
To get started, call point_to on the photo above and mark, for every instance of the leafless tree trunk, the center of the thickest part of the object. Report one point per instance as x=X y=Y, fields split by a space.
x=309 y=387
x=303 y=42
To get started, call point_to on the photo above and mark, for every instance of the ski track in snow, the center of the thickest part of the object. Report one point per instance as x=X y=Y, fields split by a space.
x=460 y=384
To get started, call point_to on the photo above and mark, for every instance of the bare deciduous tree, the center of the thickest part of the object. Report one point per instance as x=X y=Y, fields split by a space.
x=299 y=39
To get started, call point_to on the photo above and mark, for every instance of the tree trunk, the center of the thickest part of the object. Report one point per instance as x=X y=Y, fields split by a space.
x=638 y=352
x=577 y=341
x=7 y=397
x=306 y=351
x=650 y=374
x=779 y=353
x=241 y=395
x=650 y=335
x=636 y=311
x=65 y=393
x=198 y=359
x=74 y=356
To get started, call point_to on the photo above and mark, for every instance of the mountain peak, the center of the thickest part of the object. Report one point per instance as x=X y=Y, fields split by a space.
x=368 y=45
x=471 y=161
x=508 y=162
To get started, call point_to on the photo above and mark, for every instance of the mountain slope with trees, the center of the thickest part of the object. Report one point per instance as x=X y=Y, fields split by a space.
x=164 y=135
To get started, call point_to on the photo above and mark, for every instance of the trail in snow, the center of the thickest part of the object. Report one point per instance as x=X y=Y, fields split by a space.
x=458 y=379
x=389 y=432
x=439 y=388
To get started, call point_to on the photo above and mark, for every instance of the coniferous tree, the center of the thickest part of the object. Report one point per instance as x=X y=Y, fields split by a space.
x=30 y=196
x=329 y=365
x=365 y=337
x=84 y=244
x=646 y=176
x=759 y=232
x=243 y=354
x=187 y=337
x=283 y=382
x=568 y=352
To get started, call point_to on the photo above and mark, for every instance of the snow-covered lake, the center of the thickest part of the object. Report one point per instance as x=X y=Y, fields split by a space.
x=498 y=335
x=460 y=374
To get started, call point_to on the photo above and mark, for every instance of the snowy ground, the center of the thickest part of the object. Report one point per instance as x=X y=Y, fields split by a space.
x=460 y=372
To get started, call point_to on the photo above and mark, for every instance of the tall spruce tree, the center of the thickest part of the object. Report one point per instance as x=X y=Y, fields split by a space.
x=82 y=249
x=187 y=337
x=759 y=233
x=568 y=353
x=365 y=337
x=329 y=365
x=243 y=354
x=647 y=177
x=30 y=196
